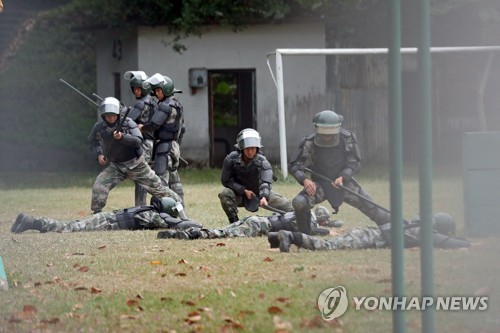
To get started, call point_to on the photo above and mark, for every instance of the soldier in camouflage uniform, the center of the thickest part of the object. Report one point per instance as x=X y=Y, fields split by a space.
x=247 y=176
x=122 y=148
x=331 y=151
x=167 y=123
x=161 y=214
x=141 y=113
x=253 y=226
x=371 y=237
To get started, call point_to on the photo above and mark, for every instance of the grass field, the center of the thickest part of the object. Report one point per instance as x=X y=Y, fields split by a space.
x=129 y=281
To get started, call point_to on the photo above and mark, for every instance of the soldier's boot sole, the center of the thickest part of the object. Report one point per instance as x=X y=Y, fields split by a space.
x=167 y=234
x=286 y=240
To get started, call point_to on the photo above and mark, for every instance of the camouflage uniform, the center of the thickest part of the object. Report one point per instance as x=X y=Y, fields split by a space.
x=141 y=112
x=366 y=238
x=341 y=160
x=135 y=218
x=126 y=161
x=255 y=176
x=251 y=226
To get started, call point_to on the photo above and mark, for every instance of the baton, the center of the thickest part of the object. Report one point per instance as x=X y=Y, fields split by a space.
x=78 y=91
x=348 y=190
x=272 y=209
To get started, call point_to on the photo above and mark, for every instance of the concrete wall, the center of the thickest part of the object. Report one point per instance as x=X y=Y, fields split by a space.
x=221 y=48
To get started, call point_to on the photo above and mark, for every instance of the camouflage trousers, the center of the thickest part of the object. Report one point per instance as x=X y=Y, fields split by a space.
x=303 y=203
x=170 y=177
x=230 y=202
x=116 y=173
x=101 y=221
x=251 y=226
x=356 y=238
x=140 y=192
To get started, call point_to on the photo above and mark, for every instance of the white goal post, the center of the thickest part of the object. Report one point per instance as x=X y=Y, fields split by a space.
x=278 y=80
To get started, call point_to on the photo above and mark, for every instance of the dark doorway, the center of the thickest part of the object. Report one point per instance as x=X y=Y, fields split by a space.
x=231 y=103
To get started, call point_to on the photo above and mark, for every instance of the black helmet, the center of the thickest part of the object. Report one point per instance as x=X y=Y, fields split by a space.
x=136 y=79
x=248 y=138
x=444 y=224
x=327 y=126
x=165 y=205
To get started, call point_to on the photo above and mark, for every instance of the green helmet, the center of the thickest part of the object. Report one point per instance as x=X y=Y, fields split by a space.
x=327 y=127
x=165 y=205
x=322 y=214
x=136 y=79
x=160 y=81
x=444 y=224
x=168 y=87
x=109 y=105
x=248 y=138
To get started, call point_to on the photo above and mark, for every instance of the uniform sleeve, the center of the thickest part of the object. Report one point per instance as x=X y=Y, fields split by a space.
x=300 y=159
x=353 y=158
x=132 y=136
x=266 y=178
x=95 y=141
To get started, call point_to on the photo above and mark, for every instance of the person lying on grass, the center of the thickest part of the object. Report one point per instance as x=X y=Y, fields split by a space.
x=253 y=226
x=163 y=213
x=371 y=237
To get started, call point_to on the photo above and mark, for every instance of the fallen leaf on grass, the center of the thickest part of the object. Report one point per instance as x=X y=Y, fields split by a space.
x=132 y=302
x=54 y=320
x=189 y=302
x=182 y=261
x=274 y=309
x=29 y=312
x=281 y=325
x=80 y=288
x=180 y=274
x=83 y=269
x=155 y=262
x=282 y=299
x=220 y=244
x=95 y=290
x=267 y=259
x=102 y=247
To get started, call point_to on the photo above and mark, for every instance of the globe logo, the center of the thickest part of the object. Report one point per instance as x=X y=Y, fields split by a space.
x=333 y=302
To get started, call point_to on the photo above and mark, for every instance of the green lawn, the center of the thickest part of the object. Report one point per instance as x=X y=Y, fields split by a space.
x=123 y=281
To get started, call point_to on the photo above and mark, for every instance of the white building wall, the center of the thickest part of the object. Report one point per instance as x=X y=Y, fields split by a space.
x=221 y=48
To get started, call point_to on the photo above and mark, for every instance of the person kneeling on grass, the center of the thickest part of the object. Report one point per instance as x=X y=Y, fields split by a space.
x=253 y=226
x=372 y=237
x=163 y=213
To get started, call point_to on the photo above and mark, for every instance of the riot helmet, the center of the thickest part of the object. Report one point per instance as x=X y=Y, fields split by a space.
x=109 y=105
x=136 y=79
x=160 y=81
x=322 y=214
x=444 y=224
x=165 y=205
x=327 y=127
x=248 y=138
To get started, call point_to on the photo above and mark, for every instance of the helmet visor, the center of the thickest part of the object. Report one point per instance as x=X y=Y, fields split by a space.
x=140 y=75
x=153 y=81
x=110 y=105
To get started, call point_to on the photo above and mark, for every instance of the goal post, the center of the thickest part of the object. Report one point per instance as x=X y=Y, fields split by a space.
x=278 y=80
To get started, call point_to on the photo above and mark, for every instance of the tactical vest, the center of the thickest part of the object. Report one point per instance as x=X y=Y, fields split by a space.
x=170 y=131
x=120 y=152
x=126 y=217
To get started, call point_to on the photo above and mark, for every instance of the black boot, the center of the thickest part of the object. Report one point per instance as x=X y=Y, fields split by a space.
x=234 y=219
x=273 y=240
x=287 y=238
x=25 y=222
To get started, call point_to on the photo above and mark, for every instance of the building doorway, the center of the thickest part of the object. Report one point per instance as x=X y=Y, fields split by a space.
x=232 y=108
